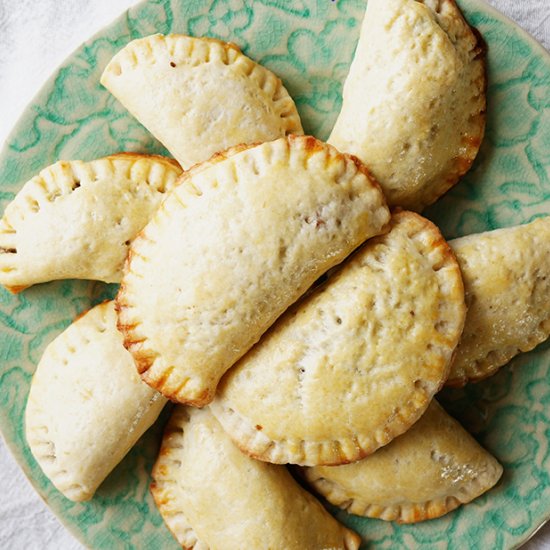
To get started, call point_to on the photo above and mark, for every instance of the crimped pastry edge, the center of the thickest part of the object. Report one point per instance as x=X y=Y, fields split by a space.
x=405 y=512
x=36 y=419
x=45 y=186
x=144 y=356
x=477 y=119
x=183 y=48
x=464 y=37
x=256 y=444
x=485 y=366
x=164 y=485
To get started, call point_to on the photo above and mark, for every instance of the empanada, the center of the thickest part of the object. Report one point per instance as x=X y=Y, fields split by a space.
x=199 y=96
x=356 y=362
x=230 y=249
x=212 y=496
x=507 y=284
x=424 y=473
x=87 y=405
x=414 y=99
x=76 y=219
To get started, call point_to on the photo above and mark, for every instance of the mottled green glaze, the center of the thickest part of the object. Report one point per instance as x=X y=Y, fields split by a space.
x=309 y=43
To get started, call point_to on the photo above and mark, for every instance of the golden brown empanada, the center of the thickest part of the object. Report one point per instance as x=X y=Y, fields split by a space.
x=212 y=496
x=199 y=96
x=76 y=219
x=414 y=99
x=424 y=473
x=356 y=362
x=87 y=405
x=230 y=249
x=507 y=284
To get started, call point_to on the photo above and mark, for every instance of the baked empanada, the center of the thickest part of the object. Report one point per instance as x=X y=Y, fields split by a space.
x=424 y=473
x=199 y=96
x=230 y=249
x=212 y=496
x=76 y=219
x=356 y=362
x=87 y=405
x=414 y=99
x=506 y=276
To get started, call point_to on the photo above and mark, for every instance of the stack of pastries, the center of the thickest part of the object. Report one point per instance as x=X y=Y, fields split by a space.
x=285 y=293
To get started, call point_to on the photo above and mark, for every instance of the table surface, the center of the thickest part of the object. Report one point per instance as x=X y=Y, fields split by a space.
x=35 y=37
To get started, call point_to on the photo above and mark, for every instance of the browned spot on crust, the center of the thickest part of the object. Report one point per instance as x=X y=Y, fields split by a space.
x=429 y=510
x=251 y=454
x=312 y=145
x=124 y=327
x=203 y=399
x=315 y=219
x=309 y=143
x=463 y=164
x=160 y=502
x=142 y=360
x=16 y=289
x=162 y=470
x=472 y=141
x=80 y=315
x=481 y=47
x=231 y=46
x=136 y=156
x=161 y=380
x=458 y=382
x=364 y=169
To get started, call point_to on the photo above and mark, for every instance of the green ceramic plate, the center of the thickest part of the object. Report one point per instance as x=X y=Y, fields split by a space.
x=309 y=43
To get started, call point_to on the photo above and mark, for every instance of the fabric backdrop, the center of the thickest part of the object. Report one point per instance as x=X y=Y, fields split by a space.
x=35 y=37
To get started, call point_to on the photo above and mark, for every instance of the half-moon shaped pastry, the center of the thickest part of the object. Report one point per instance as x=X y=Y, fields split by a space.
x=75 y=219
x=87 y=405
x=199 y=96
x=230 y=249
x=356 y=362
x=213 y=497
x=506 y=276
x=414 y=100
x=424 y=473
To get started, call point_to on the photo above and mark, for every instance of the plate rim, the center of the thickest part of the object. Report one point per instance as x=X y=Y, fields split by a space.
x=13 y=449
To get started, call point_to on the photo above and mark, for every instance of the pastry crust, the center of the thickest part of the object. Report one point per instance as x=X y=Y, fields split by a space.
x=87 y=406
x=507 y=283
x=212 y=496
x=378 y=336
x=423 y=474
x=199 y=96
x=75 y=219
x=230 y=249
x=414 y=99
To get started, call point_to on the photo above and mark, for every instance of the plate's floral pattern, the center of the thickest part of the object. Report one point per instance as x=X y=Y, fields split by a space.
x=309 y=43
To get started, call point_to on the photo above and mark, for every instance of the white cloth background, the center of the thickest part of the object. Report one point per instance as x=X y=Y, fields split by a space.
x=35 y=37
